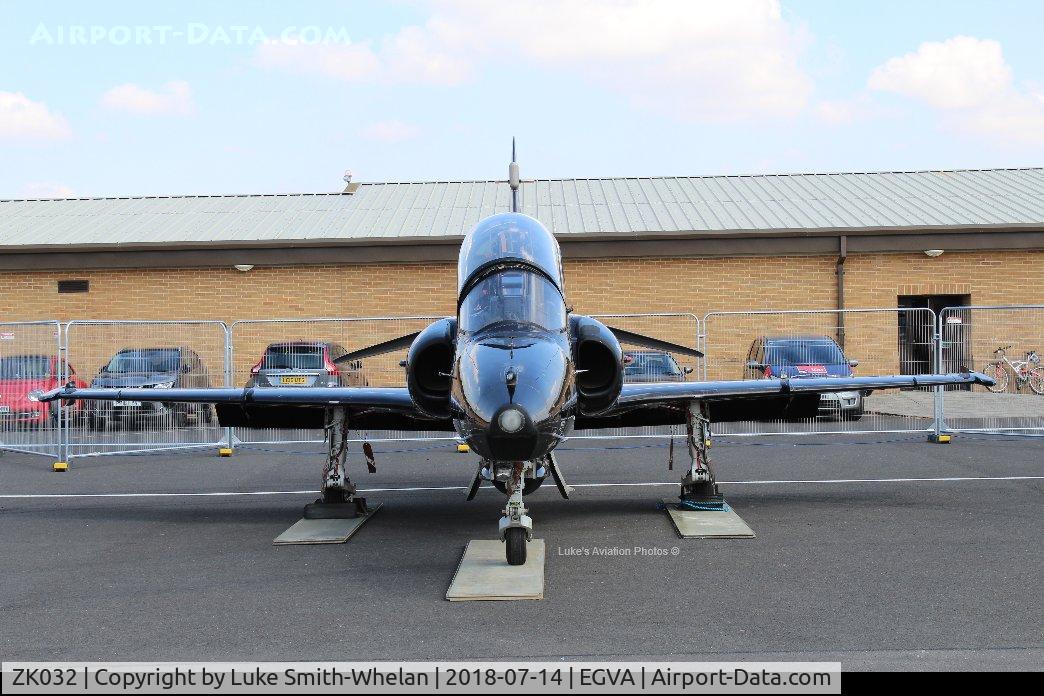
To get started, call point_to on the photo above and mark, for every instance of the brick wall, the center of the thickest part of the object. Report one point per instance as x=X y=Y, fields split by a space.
x=594 y=286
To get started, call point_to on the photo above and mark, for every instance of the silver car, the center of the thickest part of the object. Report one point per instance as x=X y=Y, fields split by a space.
x=306 y=364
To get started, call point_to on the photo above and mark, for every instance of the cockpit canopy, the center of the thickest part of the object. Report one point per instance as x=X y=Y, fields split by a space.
x=516 y=297
x=509 y=237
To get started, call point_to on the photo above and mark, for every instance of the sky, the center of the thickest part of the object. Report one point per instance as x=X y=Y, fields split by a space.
x=138 y=98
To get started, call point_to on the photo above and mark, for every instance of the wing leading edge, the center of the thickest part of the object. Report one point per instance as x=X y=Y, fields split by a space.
x=635 y=393
x=395 y=398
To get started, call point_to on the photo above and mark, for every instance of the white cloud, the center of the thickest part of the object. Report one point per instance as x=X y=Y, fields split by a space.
x=694 y=60
x=414 y=55
x=958 y=73
x=174 y=99
x=45 y=189
x=970 y=85
x=21 y=118
x=391 y=131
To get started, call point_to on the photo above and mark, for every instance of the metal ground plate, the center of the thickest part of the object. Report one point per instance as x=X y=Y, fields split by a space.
x=484 y=574
x=707 y=524
x=324 y=531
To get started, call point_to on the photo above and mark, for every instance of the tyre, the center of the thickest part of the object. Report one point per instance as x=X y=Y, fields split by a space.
x=999 y=374
x=1036 y=380
x=515 y=542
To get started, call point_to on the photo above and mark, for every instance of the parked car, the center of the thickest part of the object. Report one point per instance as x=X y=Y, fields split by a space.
x=652 y=366
x=306 y=364
x=800 y=357
x=21 y=374
x=151 y=368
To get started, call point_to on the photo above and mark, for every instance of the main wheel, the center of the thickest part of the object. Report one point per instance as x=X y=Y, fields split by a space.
x=515 y=542
x=1036 y=380
x=999 y=374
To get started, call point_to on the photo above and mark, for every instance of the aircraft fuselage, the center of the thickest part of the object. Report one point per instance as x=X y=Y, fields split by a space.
x=513 y=375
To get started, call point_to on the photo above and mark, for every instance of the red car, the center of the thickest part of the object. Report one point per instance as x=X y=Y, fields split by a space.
x=22 y=374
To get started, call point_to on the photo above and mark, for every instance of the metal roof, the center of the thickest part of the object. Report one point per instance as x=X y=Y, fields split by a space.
x=600 y=208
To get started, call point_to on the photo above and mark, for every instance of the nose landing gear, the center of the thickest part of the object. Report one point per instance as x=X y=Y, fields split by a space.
x=516 y=526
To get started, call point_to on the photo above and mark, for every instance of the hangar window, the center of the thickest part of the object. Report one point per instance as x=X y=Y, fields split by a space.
x=69 y=286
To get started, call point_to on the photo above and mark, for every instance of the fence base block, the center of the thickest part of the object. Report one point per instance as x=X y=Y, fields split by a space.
x=940 y=439
x=60 y=466
x=225 y=452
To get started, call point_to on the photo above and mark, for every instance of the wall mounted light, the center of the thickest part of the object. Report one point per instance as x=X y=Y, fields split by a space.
x=247 y=266
x=933 y=252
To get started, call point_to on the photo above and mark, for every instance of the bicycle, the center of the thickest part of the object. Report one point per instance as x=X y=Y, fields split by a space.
x=1026 y=371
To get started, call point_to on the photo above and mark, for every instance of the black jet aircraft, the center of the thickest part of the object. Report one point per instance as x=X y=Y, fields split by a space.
x=513 y=373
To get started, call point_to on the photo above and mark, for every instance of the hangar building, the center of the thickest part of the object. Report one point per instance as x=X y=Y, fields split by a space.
x=670 y=244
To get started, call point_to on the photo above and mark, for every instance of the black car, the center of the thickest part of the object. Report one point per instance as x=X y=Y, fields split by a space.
x=797 y=357
x=652 y=366
x=151 y=368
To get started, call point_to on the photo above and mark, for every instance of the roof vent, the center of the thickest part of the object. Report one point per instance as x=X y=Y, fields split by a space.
x=350 y=187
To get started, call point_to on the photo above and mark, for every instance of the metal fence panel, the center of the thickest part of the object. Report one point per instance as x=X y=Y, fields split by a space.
x=682 y=328
x=266 y=352
x=150 y=354
x=1000 y=341
x=30 y=359
x=738 y=345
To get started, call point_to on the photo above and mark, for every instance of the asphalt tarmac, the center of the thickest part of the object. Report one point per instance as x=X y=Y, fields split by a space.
x=853 y=560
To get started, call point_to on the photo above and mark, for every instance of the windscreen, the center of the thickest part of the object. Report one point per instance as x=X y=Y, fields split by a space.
x=158 y=360
x=656 y=364
x=25 y=367
x=799 y=352
x=511 y=236
x=515 y=296
x=300 y=357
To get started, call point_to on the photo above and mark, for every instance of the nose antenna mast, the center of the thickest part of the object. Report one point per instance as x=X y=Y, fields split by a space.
x=513 y=179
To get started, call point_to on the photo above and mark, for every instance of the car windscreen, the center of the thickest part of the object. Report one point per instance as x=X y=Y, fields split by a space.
x=514 y=296
x=797 y=352
x=653 y=364
x=159 y=360
x=25 y=367
x=295 y=357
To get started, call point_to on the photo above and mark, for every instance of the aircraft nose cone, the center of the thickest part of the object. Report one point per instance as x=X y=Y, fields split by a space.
x=512 y=434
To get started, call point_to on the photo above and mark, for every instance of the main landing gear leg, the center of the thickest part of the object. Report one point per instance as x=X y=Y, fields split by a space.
x=699 y=487
x=339 y=500
x=516 y=527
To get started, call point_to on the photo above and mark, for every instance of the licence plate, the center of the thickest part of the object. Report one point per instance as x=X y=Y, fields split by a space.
x=126 y=403
x=294 y=380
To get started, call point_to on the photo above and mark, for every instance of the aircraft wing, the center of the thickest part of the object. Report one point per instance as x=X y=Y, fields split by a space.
x=369 y=408
x=659 y=392
x=660 y=403
x=395 y=398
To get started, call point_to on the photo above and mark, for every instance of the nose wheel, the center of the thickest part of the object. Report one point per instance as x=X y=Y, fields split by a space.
x=515 y=543
x=516 y=527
